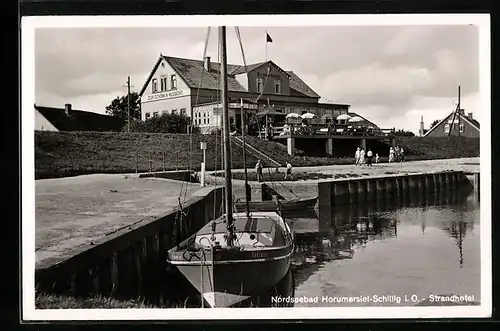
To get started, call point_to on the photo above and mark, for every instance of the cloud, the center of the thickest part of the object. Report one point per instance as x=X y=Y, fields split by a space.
x=390 y=74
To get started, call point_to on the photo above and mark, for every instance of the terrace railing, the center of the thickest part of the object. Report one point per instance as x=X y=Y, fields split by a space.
x=338 y=130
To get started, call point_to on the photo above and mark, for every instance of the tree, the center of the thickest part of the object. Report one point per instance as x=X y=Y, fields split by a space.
x=118 y=107
x=433 y=124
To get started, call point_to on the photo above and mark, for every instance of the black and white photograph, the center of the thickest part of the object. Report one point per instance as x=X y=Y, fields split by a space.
x=267 y=166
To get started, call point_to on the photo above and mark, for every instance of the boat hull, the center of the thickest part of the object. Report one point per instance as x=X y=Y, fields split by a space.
x=225 y=275
x=230 y=283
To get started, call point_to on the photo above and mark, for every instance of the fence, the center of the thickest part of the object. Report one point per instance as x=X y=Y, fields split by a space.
x=154 y=161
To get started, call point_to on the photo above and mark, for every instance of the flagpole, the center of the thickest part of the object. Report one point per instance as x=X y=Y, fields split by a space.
x=266 y=45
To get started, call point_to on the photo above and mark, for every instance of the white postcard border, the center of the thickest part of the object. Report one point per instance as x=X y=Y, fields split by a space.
x=30 y=313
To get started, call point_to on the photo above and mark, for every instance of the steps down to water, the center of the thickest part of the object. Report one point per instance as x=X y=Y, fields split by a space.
x=255 y=152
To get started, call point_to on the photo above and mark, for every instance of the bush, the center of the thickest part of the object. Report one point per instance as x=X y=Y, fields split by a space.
x=166 y=123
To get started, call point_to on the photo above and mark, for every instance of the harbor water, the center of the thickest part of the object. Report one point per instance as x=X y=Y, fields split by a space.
x=426 y=252
x=385 y=253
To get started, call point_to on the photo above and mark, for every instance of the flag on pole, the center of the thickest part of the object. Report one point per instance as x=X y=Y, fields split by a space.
x=268 y=38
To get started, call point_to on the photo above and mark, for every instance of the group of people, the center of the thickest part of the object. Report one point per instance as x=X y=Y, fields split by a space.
x=361 y=157
x=259 y=168
x=396 y=154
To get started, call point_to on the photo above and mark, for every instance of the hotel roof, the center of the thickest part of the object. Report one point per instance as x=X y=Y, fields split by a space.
x=194 y=74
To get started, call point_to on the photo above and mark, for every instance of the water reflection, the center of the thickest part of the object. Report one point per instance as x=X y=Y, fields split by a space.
x=394 y=247
x=178 y=292
x=332 y=235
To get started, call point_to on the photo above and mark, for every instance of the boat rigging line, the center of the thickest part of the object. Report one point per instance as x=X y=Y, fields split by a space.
x=184 y=186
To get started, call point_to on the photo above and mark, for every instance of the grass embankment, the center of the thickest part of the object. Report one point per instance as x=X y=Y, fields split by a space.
x=50 y=301
x=416 y=148
x=62 y=154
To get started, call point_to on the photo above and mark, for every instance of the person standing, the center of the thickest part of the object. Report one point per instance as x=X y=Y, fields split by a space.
x=402 y=154
x=362 y=157
x=369 y=157
x=357 y=155
x=377 y=158
x=391 y=155
x=258 y=168
x=288 y=170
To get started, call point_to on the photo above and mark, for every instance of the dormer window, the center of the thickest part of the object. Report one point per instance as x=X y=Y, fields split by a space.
x=173 y=82
x=154 y=85
x=260 y=84
x=277 y=86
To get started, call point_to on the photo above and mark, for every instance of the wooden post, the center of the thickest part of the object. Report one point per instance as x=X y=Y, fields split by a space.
x=164 y=160
x=150 y=162
x=177 y=161
x=136 y=161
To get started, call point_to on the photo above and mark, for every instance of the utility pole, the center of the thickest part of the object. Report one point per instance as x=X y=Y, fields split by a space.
x=128 y=102
x=457 y=110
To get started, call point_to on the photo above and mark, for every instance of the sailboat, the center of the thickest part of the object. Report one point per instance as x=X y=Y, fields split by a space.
x=240 y=253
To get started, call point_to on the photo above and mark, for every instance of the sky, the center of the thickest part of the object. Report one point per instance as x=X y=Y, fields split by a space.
x=392 y=75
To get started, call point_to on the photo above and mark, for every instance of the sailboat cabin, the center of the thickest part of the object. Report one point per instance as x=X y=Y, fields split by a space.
x=192 y=87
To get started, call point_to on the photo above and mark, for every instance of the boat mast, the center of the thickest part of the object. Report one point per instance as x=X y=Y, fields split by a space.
x=243 y=127
x=227 y=143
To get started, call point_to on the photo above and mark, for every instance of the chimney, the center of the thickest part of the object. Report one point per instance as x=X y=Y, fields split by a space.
x=206 y=63
x=469 y=115
x=67 y=108
x=421 y=131
x=462 y=111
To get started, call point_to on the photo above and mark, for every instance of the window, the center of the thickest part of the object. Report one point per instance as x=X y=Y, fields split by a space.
x=446 y=128
x=204 y=121
x=148 y=115
x=279 y=109
x=183 y=111
x=155 y=114
x=462 y=127
x=173 y=82
x=208 y=120
x=163 y=82
x=260 y=84
x=277 y=86
x=155 y=85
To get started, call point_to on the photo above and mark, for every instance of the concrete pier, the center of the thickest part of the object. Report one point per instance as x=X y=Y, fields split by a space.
x=129 y=261
x=404 y=187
